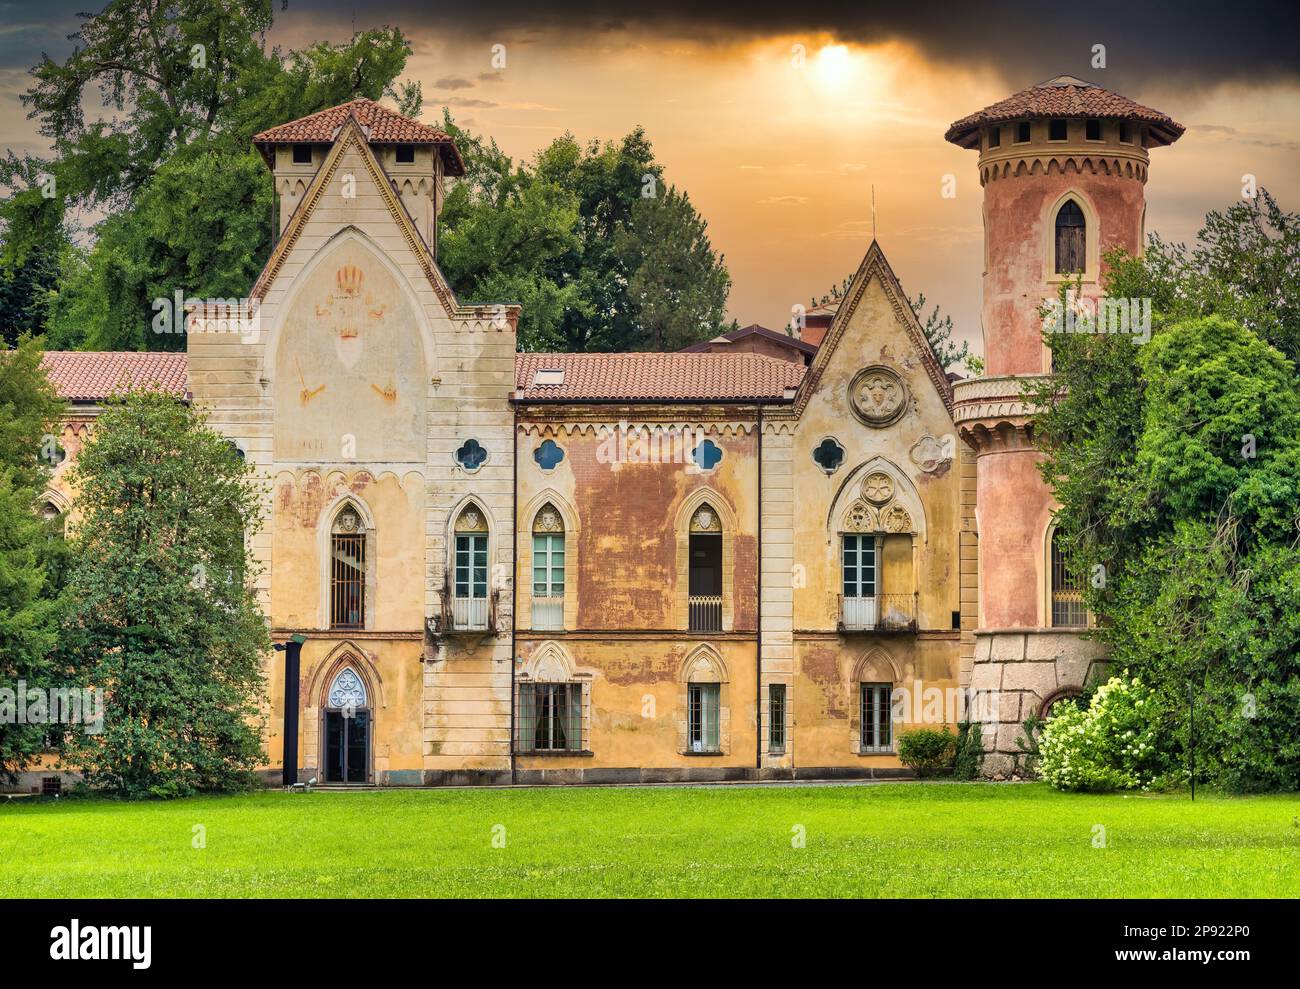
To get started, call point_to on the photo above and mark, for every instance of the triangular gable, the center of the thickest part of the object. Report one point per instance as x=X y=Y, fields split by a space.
x=351 y=135
x=873 y=264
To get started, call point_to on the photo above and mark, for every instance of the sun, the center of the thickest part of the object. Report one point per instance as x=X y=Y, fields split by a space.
x=834 y=65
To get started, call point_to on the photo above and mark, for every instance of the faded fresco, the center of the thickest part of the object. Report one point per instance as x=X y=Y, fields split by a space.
x=350 y=369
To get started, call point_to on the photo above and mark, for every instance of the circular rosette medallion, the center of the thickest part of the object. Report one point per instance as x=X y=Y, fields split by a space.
x=878 y=395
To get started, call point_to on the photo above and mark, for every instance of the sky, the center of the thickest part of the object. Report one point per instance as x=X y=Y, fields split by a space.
x=779 y=119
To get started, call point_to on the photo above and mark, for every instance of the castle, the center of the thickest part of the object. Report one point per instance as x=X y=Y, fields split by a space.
x=757 y=559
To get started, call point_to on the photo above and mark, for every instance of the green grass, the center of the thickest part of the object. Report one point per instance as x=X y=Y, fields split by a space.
x=894 y=840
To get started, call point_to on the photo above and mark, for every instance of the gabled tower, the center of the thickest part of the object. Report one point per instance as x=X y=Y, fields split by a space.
x=1063 y=165
x=415 y=156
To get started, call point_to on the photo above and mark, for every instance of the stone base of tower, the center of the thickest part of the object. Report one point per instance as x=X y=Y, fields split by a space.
x=1016 y=673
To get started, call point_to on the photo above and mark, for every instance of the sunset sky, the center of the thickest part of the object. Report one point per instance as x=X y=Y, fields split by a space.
x=779 y=153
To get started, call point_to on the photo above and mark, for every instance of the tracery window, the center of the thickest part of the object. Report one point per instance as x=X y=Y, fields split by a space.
x=548 y=569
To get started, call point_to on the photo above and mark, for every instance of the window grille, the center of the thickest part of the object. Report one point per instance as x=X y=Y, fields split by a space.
x=776 y=718
x=347 y=580
x=876 y=717
x=1068 y=608
x=549 y=717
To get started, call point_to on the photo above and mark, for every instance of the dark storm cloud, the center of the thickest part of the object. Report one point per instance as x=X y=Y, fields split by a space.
x=1190 y=44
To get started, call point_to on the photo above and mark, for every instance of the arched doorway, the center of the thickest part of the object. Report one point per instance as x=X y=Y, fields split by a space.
x=347 y=729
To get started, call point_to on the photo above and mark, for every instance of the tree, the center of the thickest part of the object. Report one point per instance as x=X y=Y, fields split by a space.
x=29 y=546
x=162 y=614
x=1245 y=266
x=190 y=82
x=590 y=242
x=1177 y=468
x=676 y=284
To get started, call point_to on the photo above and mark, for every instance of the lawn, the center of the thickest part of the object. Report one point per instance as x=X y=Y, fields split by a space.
x=891 y=840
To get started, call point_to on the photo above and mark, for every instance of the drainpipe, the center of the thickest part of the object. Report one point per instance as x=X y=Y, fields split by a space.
x=514 y=572
x=758 y=611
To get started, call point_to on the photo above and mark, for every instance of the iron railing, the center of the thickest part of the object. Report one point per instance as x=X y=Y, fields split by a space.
x=878 y=613
x=705 y=613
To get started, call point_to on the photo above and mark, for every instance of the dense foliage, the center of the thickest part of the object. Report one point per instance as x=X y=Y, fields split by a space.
x=184 y=202
x=1112 y=743
x=162 y=614
x=30 y=548
x=600 y=252
x=926 y=751
x=1177 y=467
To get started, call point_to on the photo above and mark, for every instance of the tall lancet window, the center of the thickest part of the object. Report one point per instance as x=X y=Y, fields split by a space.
x=1071 y=239
x=348 y=570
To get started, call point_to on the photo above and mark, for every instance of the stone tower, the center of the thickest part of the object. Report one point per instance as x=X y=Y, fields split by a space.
x=1063 y=165
x=415 y=158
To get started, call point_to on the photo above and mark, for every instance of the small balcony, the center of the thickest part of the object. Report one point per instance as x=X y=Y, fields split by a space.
x=462 y=615
x=469 y=614
x=548 y=614
x=705 y=611
x=878 y=613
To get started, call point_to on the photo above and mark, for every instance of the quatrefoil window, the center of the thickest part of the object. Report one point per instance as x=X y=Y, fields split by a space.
x=471 y=455
x=828 y=455
x=548 y=455
x=707 y=455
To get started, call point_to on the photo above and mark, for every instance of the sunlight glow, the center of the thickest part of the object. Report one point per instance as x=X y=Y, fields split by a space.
x=834 y=66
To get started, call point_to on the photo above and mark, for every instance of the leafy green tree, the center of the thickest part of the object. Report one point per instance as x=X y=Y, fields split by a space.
x=1245 y=266
x=1177 y=467
x=29 y=545
x=676 y=284
x=1175 y=464
x=187 y=205
x=162 y=614
x=588 y=240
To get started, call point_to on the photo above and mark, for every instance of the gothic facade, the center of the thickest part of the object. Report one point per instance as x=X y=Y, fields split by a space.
x=736 y=562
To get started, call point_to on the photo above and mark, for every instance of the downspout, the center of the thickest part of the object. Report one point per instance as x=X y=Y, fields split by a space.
x=758 y=611
x=514 y=571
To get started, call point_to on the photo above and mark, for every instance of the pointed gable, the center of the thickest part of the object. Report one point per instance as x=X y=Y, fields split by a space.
x=351 y=137
x=874 y=269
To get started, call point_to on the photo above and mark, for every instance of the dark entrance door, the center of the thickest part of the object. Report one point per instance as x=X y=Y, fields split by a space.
x=347 y=747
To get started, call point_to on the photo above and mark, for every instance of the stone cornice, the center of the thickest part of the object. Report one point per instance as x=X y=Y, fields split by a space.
x=1002 y=397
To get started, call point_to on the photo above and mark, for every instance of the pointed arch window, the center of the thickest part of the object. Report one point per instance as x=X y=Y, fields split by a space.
x=1071 y=239
x=1068 y=608
x=347 y=729
x=347 y=690
x=470 y=605
x=548 y=569
x=347 y=570
x=705 y=576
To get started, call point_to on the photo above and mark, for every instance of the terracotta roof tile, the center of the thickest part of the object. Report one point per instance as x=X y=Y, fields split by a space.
x=753 y=329
x=653 y=377
x=380 y=124
x=1064 y=96
x=91 y=376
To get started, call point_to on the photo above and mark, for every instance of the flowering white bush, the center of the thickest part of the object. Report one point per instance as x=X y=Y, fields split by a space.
x=1112 y=745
